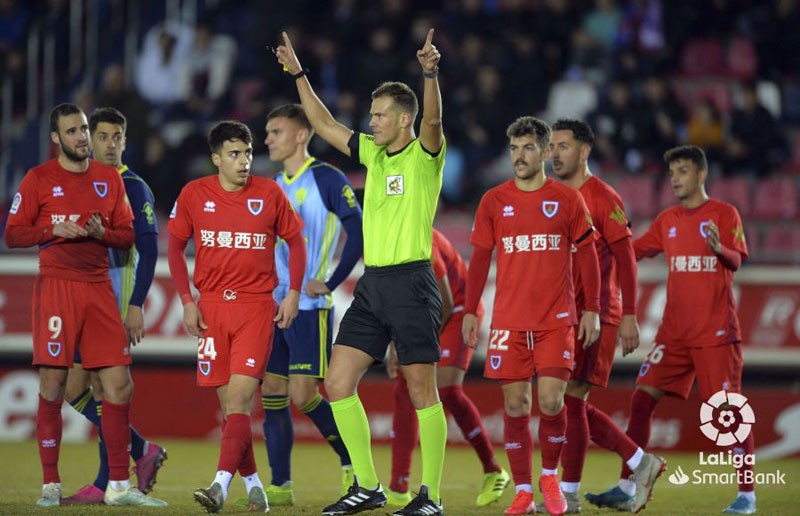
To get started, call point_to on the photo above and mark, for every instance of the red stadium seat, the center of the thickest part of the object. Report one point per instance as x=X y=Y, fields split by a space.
x=702 y=57
x=638 y=196
x=782 y=243
x=741 y=59
x=775 y=199
x=734 y=190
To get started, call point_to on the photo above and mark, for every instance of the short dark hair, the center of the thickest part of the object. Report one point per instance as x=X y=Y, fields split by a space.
x=692 y=153
x=228 y=130
x=530 y=126
x=108 y=115
x=60 y=111
x=292 y=112
x=402 y=95
x=580 y=129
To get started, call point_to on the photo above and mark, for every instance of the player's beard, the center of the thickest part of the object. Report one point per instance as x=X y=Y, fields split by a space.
x=72 y=155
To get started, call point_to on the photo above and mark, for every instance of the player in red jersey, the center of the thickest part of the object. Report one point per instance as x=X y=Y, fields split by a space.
x=74 y=209
x=703 y=242
x=534 y=222
x=572 y=144
x=234 y=219
x=451 y=275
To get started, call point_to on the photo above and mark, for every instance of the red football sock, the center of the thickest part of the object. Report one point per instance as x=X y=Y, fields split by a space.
x=552 y=434
x=605 y=433
x=247 y=466
x=236 y=436
x=117 y=433
x=519 y=447
x=573 y=455
x=49 y=426
x=469 y=421
x=642 y=407
x=747 y=447
x=405 y=433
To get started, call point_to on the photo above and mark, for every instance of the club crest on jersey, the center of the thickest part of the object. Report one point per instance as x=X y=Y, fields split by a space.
x=54 y=348
x=101 y=188
x=549 y=208
x=204 y=366
x=255 y=206
x=394 y=185
x=495 y=361
x=704 y=229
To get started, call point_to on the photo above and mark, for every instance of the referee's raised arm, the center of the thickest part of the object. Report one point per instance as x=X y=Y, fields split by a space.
x=431 y=135
x=321 y=119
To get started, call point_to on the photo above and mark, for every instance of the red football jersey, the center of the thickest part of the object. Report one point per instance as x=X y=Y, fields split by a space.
x=446 y=260
x=700 y=309
x=534 y=233
x=50 y=194
x=234 y=233
x=611 y=225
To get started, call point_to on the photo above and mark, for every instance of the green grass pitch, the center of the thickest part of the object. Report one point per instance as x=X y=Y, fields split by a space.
x=316 y=474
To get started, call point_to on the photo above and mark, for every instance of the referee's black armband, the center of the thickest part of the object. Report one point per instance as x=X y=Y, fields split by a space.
x=301 y=73
x=584 y=236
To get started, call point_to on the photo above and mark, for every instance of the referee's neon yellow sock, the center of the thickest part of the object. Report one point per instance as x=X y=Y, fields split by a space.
x=432 y=440
x=351 y=420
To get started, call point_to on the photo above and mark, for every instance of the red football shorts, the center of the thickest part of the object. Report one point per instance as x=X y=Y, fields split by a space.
x=69 y=314
x=520 y=355
x=674 y=368
x=238 y=339
x=593 y=365
x=455 y=352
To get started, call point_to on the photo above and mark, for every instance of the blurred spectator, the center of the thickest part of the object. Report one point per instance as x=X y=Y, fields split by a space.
x=756 y=142
x=205 y=74
x=14 y=21
x=114 y=93
x=13 y=67
x=158 y=72
x=619 y=125
x=664 y=121
x=160 y=172
x=601 y=24
x=706 y=130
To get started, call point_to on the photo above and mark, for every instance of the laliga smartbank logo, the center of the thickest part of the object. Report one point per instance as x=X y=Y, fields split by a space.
x=727 y=419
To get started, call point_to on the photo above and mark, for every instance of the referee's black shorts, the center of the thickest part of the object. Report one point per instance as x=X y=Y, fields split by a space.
x=399 y=303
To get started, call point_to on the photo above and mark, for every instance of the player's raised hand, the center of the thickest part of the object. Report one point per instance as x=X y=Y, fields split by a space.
x=589 y=328
x=94 y=227
x=286 y=56
x=193 y=319
x=628 y=334
x=69 y=230
x=469 y=330
x=287 y=311
x=712 y=238
x=428 y=56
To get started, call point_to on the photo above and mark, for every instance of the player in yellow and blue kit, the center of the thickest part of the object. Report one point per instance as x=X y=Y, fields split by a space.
x=131 y=273
x=324 y=200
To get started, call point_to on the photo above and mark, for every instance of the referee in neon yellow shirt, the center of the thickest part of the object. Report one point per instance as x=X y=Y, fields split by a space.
x=398 y=298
